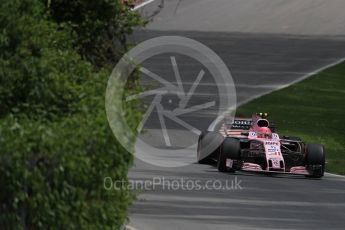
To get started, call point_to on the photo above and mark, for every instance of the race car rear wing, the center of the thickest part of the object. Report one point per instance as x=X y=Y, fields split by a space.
x=235 y=128
x=244 y=124
x=240 y=124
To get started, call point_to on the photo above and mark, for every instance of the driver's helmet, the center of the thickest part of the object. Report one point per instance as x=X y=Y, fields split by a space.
x=264 y=132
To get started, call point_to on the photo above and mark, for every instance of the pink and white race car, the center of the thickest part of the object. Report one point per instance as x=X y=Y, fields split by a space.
x=251 y=144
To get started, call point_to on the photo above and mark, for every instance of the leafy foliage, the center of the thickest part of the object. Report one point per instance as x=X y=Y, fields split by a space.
x=55 y=143
x=101 y=27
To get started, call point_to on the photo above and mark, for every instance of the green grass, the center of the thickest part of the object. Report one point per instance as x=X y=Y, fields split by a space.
x=313 y=109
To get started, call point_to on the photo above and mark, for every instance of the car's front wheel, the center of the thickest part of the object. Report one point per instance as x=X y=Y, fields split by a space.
x=230 y=149
x=315 y=160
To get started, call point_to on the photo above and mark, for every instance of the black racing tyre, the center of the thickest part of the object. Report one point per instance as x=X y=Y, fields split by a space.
x=315 y=160
x=230 y=148
x=199 y=147
x=208 y=146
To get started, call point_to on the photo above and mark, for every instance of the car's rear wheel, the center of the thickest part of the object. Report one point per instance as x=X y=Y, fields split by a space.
x=230 y=149
x=208 y=146
x=315 y=160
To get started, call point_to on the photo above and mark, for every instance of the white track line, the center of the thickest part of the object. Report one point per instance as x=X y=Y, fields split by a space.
x=130 y=228
x=142 y=4
x=279 y=87
x=334 y=175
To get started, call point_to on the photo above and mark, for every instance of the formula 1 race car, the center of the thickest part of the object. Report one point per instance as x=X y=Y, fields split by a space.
x=251 y=144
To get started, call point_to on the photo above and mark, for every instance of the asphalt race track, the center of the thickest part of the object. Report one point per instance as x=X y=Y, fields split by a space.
x=272 y=44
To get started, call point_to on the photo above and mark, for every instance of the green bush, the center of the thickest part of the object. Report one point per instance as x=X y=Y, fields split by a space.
x=101 y=27
x=55 y=143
